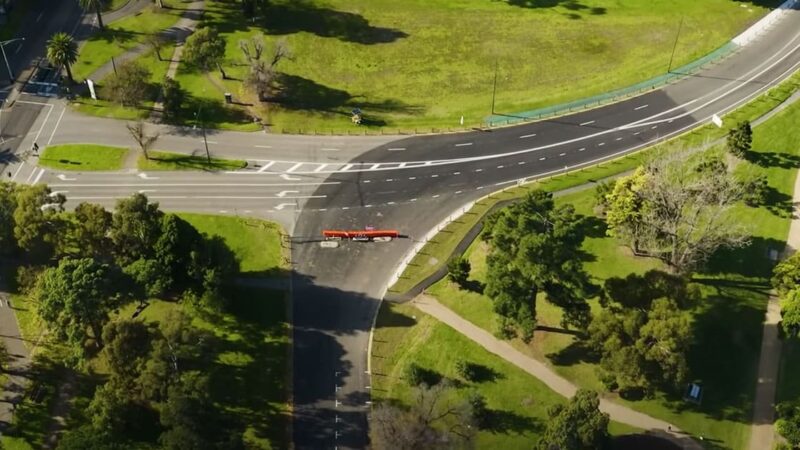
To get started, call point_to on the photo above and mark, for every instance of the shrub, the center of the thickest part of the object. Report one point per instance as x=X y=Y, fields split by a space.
x=740 y=139
x=458 y=269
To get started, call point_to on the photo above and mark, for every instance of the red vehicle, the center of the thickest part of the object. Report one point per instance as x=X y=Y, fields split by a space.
x=360 y=235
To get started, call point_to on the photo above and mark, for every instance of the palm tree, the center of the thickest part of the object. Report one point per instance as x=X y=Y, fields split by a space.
x=96 y=5
x=62 y=51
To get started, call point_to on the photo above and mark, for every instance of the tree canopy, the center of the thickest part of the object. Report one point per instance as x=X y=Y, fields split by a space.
x=578 y=425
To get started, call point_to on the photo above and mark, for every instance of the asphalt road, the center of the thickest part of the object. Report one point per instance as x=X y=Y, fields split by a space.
x=411 y=184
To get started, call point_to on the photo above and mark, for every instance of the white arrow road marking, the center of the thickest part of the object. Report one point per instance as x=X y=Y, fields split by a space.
x=145 y=176
x=283 y=193
x=63 y=177
x=283 y=205
x=289 y=178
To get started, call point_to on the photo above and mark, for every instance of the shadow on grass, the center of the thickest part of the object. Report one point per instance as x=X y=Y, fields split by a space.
x=750 y=261
x=501 y=421
x=575 y=353
x=773 y=159
x=571 y=5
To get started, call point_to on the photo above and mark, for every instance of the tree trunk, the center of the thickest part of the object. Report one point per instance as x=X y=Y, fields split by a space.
x=158 y=53
x=69 y=74
x=99 y=16
x=222 y=72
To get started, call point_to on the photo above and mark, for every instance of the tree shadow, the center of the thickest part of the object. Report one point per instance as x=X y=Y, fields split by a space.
x=571 y=5
x=475 y=286
x=576 y=352
x=502 y=421
x=773 y=159
x=483 y=374
x=778 y=203
x=753 y=260
x=304 y=16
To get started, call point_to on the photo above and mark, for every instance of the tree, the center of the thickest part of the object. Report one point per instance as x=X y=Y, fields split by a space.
x=755 y=190
x=127 y=348
x=205 y=49
x=75 y=297
x=62 y=52
x=262 y=73
x=36 y=224
x=432 y=421
x=173 y=97
x=135 y=228
x=578 y=425
x=788 y=423
x=97 y=6
x=481 y=414
x=129 y=85
x=185 y=414
x=458 y=269
x=740 y=139
x=8 y=204
x=145 y=141
x=786 y=275
x=601 y=193
x=90 y=229
x=156 y=42
x=677 y=209
x=535 y=247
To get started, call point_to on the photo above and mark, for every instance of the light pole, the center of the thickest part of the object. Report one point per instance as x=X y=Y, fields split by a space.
x=202 y=127
x=3 y=50
x=494 y=87
x=675 y=46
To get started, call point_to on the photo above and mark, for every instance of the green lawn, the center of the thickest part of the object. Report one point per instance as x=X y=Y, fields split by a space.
x=83 y=157
x=206 y=94
x=180 y=161
x=436 y=252
x=517 y=400
x=258 y=244
x=422 y=64
x=123 y=35
x=734 y=289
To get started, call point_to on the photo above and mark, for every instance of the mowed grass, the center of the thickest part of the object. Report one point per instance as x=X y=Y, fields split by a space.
x=123 y=35
x=518 y=401
x=733 y=289
x=257 y=243
x=83 y=157
x=180 y=161
x=424 y=64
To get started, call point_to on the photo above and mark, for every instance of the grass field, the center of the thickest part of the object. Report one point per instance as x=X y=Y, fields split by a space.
x=734 y=289
x=247 y=361
x=83 y=157
x=517 y=400
x=180 y=161
x=423 y=64
x=123 y=35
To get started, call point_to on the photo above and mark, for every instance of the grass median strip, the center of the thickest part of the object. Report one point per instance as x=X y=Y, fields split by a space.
x=83 y=157
x=437 y=251
x=181 y=161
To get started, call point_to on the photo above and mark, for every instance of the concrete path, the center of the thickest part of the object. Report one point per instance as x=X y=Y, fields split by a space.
x=503 y=349
x=19 y=360
x=178 y=32
x=763 y=433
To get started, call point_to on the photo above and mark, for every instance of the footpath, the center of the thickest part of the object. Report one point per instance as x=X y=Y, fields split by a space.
x=19 y=359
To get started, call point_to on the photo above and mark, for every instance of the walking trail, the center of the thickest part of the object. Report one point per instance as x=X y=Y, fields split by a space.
x=18 y=362
x=619 y=413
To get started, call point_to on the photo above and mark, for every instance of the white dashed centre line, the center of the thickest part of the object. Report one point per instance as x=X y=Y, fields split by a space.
x=396 y=149
x=582 y=149
x=637 y=133
x=562 y=154
x=527 y=136
x=478 y=170
x=618 y=139
x=412 y=178
x=390 y=179
x=521 y=163
x=436 y=196
x=458 y=192
x=263 y=146
x=587 y=123
x=601 y=144
x=367 y=181
x=640 y=107
x=456 y=173
x=434 y=176
x=654 y=127
x=464 y=144
x=542 y=158
x=500 y=166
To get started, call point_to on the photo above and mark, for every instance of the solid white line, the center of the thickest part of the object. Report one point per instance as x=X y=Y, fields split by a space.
x=294 y=167
x=17 y=172
x=587 y=123
x=396 y=149
x=192 y=184
x=266 y=166
x=527 y=136
x=322 y=166
x=464 y=144
x=640 y=107
x=56 y=127
x=208 y=197
x=263 y=146
x=38 y=177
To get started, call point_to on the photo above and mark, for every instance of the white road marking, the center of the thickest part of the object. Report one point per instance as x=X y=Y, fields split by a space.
x=654 y=127
x=542 y=158
x=601 y=144
x=478 y=170
x=144 y=176
x=19 y=47
x=319 y=169
x=464 y=144
x=390 y=203
x=527 y=136
x=521 y=163
x=17 y=172
x=39 y=17
x=396 y=149
x=456 y=173
x=389 y=179
x=266 y=166
x=294 y=167
x=367 y=181
x=263 y=146
x=640 y=107
x=587 y=123
x=367 y=206
x=143 y=191
x=56 y=127
x=413 y=200
x=38 y=177
x=582 y=149
x=289 y=178
x=458 y=192
x=562 y=154
x=500 y=166
x=283 y=193
x=330 y=149
x=618 y=139
x=436 y=196
x=194 y=184
x=637 y=133
x=412 y=178
x=346 y=168
x=63 y=177
x=434 y=176
x=207 y=141
x=283 y=205
x=374 y=166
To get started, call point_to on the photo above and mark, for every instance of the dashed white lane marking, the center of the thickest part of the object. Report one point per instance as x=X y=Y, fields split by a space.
x=396 y=149
x=542 y=158
x=367 y=181
x=640 y=107
x=618 y=139
x=582 y=149
x=562 y=154
x=390 y=203
x=263 y=146
x=458 y=192
x=478 y=170
x=500 y=166
x=587 y=123
x=294 y=167
x=39 y=17
x=434 y=176
x=637 y=133
x=521 y=163
x=346 y=168
x=390 y=179
x=601 y=144
x=654 y=127
x=527 y=136
x=345 y=207
x=330 y=149
x=413 y=200
x=436 y=196
x=38 y=177
x=223 y=211
x=319 y=169
x=464 y=144
x=17 y=171
x=412 y=178
x=266 y=166
x=367 y=206
x=456 y=173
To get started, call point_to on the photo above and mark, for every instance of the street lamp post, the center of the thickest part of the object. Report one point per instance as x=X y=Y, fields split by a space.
x=203 y=128
x=3 y=50
x=675 y=45
x=494 y=87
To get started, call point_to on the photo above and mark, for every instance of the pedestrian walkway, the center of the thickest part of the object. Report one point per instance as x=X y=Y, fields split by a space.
x=617 y=412
x=19 y=359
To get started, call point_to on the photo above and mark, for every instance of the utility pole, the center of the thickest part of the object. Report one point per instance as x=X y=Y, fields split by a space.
x=675 y=45
x=203 y=128
x=3 y=50
x=494 y=88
